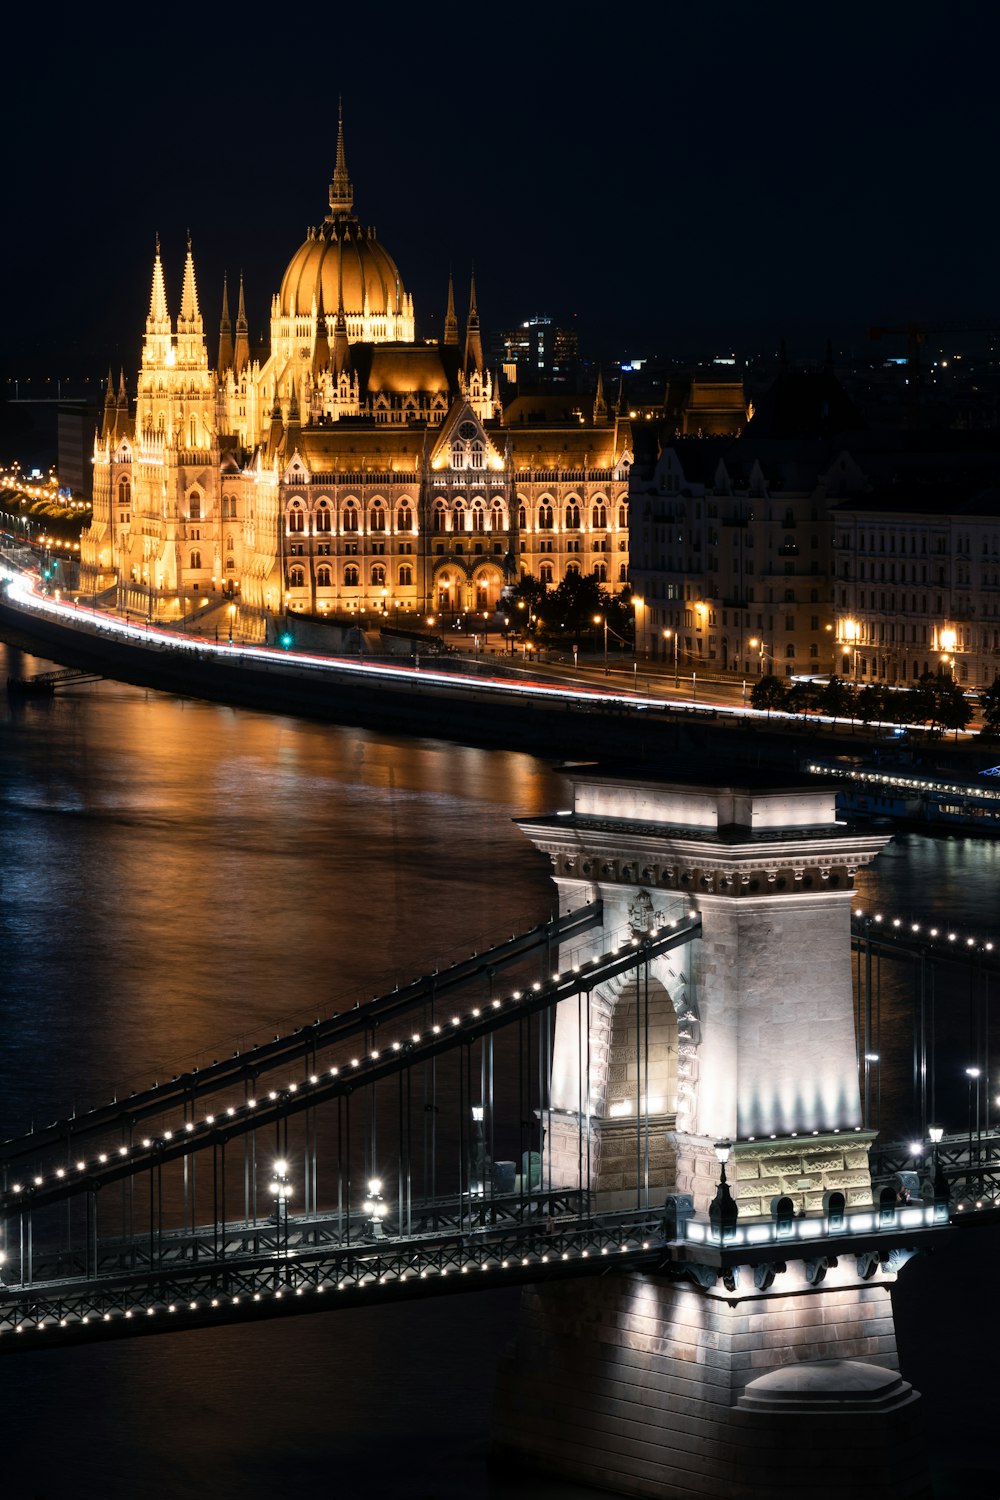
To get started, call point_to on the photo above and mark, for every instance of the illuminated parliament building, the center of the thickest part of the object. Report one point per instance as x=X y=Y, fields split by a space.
x=348 y=468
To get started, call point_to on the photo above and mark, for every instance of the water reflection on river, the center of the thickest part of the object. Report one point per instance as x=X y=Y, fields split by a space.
x=177 y=878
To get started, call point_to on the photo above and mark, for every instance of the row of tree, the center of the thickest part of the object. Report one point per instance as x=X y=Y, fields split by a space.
x=574 y=611
x=936 y=700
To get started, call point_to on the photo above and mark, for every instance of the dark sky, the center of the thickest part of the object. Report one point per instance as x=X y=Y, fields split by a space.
x=728 y=173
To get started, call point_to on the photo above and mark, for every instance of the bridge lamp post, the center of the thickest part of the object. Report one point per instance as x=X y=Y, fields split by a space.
x=723 y=1211
x=281 y=1190
x=974 y=1075
x=941 y=1189
x=374 y=1206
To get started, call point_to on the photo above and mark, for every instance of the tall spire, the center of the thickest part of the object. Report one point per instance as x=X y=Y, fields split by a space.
x=450 y=320
x=321 y=348
x=189 y=313
x=341 y=188
x=473 y=337
x=600 y=405
x=241 y=351
x=225 y=331
x=158 y=312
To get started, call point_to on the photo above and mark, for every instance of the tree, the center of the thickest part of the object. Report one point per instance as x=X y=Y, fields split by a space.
x=574 y=603
x=768 y=692
x=941 y=702
x=838 y=699
x=871 y=703
x=528 y=598
x=989 y=703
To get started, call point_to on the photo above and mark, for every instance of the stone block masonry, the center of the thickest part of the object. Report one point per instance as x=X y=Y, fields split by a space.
x=633 y=1384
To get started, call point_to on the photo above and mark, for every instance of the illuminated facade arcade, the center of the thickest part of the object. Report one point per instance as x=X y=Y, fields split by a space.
x=348 y=468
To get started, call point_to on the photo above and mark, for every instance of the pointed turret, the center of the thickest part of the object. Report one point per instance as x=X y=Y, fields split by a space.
x=321 y=349
x=341 y=188
x=341 y=345
x=277 y=425
x=473 y=336
x=600 y=405
x=189 y=320
x=158 y=313
x=241 y=350
x=110 y=408
x=122 y=392
x=450 y=320
x=225 y=332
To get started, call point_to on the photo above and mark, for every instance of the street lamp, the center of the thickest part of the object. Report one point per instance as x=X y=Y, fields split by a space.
x=232 y=617
x=723 y=1211
x=671 y=635
x=603 y=620
x=850 y=635
x=762 y=653
x=638 y=603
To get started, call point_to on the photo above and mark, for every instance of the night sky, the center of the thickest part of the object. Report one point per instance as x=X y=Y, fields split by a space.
x=725 y=174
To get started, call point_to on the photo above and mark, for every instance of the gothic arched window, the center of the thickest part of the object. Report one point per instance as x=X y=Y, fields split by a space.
x=297 y=519
x=599 y=517
x=573 y=517
x=323 y=577
x=195 y=561
x=351 y=576
x=405 y=576
x=545 y=517
x=296 y=578
x=545 y=573
x=378 y=575
x=404 y=519
x=349 y=519
x=323 y=518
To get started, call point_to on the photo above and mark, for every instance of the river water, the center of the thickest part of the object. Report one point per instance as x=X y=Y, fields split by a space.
x=177 y=878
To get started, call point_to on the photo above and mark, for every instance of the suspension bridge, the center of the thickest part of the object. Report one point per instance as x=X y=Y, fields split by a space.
x=559 y=1109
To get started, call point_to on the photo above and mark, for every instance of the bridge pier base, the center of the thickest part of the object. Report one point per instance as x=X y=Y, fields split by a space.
x=649 y=1386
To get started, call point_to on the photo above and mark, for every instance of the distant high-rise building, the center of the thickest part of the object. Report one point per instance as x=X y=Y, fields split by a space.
x=537 y=355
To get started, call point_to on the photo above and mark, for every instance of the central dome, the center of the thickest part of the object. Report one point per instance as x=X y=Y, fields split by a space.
x=342 y=267
x=342 y=263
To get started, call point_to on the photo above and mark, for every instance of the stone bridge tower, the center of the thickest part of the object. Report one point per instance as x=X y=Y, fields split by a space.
x=773 y=1372
x=750 y=1028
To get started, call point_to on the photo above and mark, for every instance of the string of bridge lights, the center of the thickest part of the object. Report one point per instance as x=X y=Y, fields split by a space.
x=149 y=1145
x=906 y=927
x=413 y=1271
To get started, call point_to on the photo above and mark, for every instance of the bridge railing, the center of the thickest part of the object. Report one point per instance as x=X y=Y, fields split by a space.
x=757 y=1234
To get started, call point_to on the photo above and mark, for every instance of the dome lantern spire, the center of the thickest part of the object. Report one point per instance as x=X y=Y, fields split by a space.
x=341 y=188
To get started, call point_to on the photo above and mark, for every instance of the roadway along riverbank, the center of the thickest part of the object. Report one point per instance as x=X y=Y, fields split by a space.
x=554 y=720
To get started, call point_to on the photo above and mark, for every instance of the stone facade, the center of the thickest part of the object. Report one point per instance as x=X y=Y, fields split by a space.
x=632 y=1384
x=349 y=468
